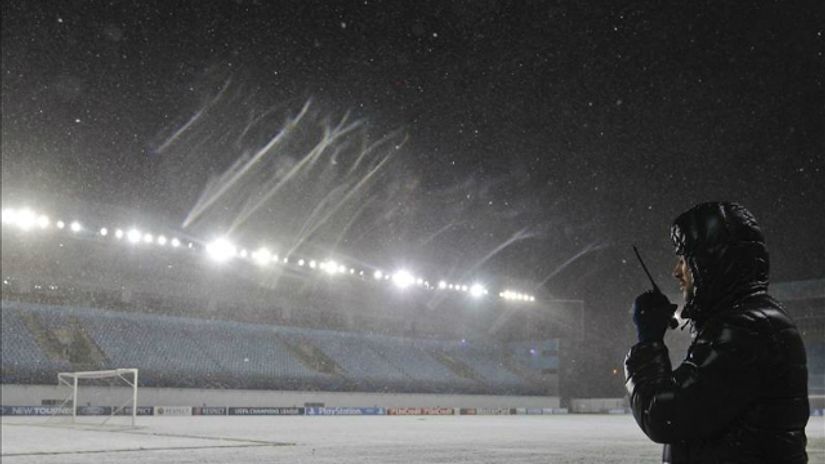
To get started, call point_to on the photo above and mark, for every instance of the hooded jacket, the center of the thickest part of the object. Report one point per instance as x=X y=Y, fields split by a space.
x=740 y=395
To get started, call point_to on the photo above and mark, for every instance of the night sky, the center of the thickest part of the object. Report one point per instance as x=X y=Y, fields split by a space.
x=569 y=130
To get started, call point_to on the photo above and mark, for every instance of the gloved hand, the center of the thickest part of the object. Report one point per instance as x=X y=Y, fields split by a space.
x=652 y=312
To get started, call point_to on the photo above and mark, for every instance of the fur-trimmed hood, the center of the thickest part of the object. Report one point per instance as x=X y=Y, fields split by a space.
x=726 y=253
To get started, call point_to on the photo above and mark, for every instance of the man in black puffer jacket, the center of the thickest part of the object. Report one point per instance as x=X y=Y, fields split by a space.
x=741 y=394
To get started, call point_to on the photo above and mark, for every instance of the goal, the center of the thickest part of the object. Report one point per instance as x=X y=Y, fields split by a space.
x=109 y=393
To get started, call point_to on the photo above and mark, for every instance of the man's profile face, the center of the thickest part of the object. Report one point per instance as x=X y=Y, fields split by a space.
x=682 y=274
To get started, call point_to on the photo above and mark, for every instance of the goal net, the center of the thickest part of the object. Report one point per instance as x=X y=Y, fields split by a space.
x=98 y=398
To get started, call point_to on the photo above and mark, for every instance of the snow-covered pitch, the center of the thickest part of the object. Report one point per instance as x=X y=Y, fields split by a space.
x=375 y=439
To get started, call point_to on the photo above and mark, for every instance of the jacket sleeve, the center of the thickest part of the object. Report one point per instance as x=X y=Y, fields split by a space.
x=714 y=385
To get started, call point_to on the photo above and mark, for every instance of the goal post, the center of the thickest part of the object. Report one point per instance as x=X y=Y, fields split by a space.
x=128 y=376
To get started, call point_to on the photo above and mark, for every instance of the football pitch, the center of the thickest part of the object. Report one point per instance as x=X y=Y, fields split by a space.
x=374 y=439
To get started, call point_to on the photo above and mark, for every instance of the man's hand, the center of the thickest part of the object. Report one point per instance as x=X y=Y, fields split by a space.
x=652 y=312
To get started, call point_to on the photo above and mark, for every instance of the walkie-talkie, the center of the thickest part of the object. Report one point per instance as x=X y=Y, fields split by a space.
x=674 y=323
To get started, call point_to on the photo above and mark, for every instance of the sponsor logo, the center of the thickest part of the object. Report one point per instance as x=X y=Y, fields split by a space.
x=94 y=410
x=173 y=410
x=345 y=411
x=265 y=411
x=209 y=411
x=141 y=411
x=493 y=411
x=36 y=411
x=420 y=411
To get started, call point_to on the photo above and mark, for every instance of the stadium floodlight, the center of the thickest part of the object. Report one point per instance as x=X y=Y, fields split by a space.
x=134 y=236
x=148 y=238
x=162 y=240
x=190 y=245
x=221 y=250
x=118 y=234
x=75 y=226
x=244 y=253
x=61 y=224
x=330 y=267
x=25 y=219
x=286 y=259
x=419 y=281
x=403 y=279
x=301 y=262
x=9 y=215
x=442 y=285
x=378 y=274
x=262 y=256
x=175 y=242
x=532 y=298
x=43 y=221
x=313 y=264
x=104 y=231
x=342 y=269
x=477 y=290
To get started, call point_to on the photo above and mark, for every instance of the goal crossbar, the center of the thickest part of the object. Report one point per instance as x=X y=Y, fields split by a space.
x=70 y=379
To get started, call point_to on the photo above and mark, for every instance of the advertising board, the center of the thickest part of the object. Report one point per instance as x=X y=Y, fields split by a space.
x=420 y=411
x=94 y=410
x=373 y=411
x=173 y=410
x=494 y=411
x=36 y=410
x=265 y=411
x=209 y=410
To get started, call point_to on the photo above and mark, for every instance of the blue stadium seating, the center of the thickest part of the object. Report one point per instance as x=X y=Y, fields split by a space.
x=189 y=352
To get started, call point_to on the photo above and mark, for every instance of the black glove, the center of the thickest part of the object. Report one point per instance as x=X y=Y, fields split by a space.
x=652 y=312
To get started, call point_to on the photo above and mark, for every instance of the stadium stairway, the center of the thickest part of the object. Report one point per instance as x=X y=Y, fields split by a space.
x=66 y=343
x=527 y=375
x=314 y=359
x=457 y=366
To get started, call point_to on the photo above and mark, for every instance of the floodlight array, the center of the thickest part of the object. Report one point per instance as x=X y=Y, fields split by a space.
x=222 y=250
x=516 y=296
x=25 y=219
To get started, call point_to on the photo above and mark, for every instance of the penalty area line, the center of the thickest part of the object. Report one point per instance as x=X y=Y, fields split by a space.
x=133 y=450
x=137 y=431
x=205 y=437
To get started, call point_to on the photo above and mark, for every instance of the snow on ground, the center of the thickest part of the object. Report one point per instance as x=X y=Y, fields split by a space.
x=382 y=439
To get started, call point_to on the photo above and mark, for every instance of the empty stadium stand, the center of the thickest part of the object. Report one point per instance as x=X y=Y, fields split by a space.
x=40 y=340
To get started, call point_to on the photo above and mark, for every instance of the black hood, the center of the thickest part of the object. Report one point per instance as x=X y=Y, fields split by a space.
x=726 y=253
